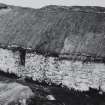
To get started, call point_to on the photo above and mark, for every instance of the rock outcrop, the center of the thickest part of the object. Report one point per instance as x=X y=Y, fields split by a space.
x=14 y=93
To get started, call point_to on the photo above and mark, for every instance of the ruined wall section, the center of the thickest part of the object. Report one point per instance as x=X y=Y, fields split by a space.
x=9 y=61
x=72 y=74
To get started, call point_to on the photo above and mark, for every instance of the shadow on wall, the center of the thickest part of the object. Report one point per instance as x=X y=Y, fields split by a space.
x=9 y=75
x=22 y=56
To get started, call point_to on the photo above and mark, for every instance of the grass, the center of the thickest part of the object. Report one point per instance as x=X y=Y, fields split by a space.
x=60 y=27
x=63 y=95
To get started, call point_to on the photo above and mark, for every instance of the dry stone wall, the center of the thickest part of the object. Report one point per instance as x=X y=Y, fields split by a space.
x=72 y=74
x=76 y=74
x=9 y=61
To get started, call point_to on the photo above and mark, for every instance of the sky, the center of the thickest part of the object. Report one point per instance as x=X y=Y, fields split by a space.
x=41 y=3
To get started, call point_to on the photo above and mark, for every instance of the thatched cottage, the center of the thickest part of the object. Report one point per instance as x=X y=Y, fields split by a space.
x=63 y=45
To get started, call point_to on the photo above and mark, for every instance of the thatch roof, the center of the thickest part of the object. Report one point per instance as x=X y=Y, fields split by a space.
x=58 y=30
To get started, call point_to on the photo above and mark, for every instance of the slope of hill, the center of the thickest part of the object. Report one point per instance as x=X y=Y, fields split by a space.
x=55 y=29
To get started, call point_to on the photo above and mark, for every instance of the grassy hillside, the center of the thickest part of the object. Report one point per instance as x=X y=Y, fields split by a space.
x=55 y=29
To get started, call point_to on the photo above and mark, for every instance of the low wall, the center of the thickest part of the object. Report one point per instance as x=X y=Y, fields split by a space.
x=72 y=74
x=76 y=74
x=9 y=61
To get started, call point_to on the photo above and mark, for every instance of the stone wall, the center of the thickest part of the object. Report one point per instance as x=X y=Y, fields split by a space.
x=72 y=74
x=9 y=61
x=76 y=74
